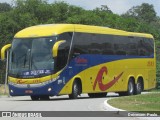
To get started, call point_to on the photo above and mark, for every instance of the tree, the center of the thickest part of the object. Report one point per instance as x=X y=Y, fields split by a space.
x=144 y=12
x=103 y=8
x=86 y=17
x=4 y=7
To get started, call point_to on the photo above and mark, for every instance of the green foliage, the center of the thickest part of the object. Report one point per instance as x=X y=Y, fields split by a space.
x=4 y=7
x=103 y=8
x=85 y=18
x=27 y=13
x=144 y=12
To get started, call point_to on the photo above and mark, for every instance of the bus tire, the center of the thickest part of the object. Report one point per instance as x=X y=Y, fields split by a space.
x=75 y=91
x=131 y=87
x=139 y=87
x=34 y=98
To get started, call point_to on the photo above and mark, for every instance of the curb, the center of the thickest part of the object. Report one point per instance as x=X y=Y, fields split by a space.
x=111 y=108
x=108 y=107
x=116 y=111
x=123 y=113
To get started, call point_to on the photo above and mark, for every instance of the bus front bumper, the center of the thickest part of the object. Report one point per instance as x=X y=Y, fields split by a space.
x=32 y=89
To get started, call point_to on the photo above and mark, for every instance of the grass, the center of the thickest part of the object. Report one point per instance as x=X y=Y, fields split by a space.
x=146 y=102
x=155 y=90
x=2 y=90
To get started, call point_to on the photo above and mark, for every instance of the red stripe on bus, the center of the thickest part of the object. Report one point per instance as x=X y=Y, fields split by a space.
x=98 y=80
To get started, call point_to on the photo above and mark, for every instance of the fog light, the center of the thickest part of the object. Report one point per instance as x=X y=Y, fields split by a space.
x=49 y=89
x=11 y=91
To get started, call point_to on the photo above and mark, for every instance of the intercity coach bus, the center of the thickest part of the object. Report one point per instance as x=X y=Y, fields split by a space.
x=71 y=59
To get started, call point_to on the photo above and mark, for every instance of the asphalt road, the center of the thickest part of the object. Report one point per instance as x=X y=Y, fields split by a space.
x=60 y=103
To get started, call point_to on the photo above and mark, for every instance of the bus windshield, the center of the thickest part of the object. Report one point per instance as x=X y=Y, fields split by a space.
x=31 y=57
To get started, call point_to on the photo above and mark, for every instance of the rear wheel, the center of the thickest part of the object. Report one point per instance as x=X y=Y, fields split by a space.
x=138 y=87
x=131 y=87
x=75 y=91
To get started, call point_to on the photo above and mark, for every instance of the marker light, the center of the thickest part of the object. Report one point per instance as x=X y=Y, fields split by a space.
x=11 y=91
x=49 y=89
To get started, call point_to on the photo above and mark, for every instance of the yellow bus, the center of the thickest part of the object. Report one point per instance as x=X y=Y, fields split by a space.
x=71 y=59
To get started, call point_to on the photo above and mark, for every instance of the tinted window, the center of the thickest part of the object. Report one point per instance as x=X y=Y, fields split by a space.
x=86 y=43
x=103 y=44
x=132 y=46
x=145 y=47
x=63 y=51
x=82 y=42
x=120 y=44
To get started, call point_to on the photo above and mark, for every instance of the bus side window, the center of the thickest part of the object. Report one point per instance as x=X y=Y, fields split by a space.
x=62 y=56
x=81 y=44
x=63 y=51
x=142 y=47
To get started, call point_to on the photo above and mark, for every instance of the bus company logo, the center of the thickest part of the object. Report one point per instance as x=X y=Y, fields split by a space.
x=98 y=80
x=19 y=81
x=81 y=60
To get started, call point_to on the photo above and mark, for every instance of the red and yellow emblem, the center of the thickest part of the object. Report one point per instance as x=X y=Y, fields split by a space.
x=98 y=80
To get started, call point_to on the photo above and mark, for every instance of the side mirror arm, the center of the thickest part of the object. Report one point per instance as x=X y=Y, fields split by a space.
x=56 y=46
x=3 y=50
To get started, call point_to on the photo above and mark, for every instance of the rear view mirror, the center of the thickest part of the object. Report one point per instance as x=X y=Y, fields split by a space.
x=56 y=46
x=3 y=51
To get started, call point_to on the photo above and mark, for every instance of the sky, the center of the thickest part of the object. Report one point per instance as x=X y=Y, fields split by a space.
x=116 y=6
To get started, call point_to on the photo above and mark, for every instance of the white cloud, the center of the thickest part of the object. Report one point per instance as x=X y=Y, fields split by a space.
x=7 y=1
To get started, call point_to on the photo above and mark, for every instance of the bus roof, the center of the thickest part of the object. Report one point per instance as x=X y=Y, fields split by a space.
x=55 y=29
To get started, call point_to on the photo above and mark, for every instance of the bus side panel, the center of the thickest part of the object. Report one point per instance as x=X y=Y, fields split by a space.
x=113 y=76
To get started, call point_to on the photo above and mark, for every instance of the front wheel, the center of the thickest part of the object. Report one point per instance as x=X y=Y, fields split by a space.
x=75 y=91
